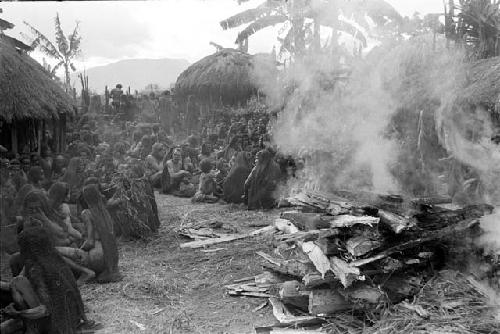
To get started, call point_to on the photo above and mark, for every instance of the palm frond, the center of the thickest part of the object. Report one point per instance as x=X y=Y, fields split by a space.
x=62 y=42
x=249 y=15
x=74 y=42
x=72 y=66
x=41 y=42
x=54 y=70
x=264 y=22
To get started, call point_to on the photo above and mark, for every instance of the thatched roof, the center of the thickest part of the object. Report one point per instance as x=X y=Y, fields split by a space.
x=483 y=84
x=225 y=76
x=26 y=89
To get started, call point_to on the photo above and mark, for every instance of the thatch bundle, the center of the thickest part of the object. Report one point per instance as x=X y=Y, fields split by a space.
x=136 y=215
x=225 y=76
x=483 y=82
x=26 y=89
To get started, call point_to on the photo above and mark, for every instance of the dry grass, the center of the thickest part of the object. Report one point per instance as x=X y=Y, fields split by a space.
x=173 y=290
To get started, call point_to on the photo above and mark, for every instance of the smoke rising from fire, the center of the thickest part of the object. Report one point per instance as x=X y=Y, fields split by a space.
x=343 y=123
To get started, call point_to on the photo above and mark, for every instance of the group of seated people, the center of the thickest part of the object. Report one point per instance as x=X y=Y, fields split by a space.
x=61 y=215
x=51 y=252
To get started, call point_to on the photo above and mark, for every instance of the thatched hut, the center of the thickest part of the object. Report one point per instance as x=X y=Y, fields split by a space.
x=31 y=103
x=483 y=84
x=228 y=77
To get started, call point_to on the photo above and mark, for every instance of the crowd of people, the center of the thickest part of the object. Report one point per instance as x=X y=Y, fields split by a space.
x=61 y=215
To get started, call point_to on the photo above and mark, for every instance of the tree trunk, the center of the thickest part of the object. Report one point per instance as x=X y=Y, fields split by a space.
x=317 y=36
x=67 y=78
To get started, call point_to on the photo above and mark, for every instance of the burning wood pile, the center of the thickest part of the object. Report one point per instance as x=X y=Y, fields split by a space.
x=358 y=255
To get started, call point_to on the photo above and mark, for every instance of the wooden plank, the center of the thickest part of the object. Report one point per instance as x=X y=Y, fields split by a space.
x=395 y=222
x=349 y=221
x=307 y=236
x=214 y=241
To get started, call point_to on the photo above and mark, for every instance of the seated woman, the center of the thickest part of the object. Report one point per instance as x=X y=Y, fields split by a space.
x=46 y=297
x=262 y=182
x=99 y=252
x=58 y=195
x=207 y=185
x=234 y=184
x=74 y=177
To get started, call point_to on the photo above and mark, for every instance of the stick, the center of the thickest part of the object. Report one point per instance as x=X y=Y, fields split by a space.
x=214 y=241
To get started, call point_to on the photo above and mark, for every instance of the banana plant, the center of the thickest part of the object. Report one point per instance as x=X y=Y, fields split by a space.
x=478 y=27
x=346 y=16
x=64 y=50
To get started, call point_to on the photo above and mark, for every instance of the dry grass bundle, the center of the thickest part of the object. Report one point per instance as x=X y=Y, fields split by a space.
x=449 y=303
x=26 y=89
x=136 y=215
x=484 y=82
x=224 y=76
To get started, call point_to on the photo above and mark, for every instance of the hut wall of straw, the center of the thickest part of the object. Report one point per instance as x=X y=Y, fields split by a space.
x=31 y=102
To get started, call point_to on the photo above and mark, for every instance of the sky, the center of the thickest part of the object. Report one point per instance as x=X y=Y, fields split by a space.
x=115 y=30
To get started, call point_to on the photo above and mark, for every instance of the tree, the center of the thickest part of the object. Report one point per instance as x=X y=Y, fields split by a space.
x=479 y=27
x=345 y=16
x=68 y=48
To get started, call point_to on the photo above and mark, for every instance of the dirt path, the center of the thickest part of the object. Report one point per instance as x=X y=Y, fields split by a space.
x=171 y=290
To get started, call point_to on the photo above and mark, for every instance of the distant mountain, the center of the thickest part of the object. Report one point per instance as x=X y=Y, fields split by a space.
x=136 y=73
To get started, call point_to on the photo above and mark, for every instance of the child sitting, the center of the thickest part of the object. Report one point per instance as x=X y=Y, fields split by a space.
x=207 y=186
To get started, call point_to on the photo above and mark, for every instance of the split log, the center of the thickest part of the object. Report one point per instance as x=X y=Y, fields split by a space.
x=361 y=245
x=225 y=238
x=268 y=277
x=284 y=316
x=400 y=287
x=285 y=226
x=291 y=267
x=425 y=237
x=318 y=258
x=395 y=222
x=305 y=221
x=250 y=294
x=329 y=246
x=307 y=236
x=349 y=221
x=327 y=301
x=313 y=280
x=436 y=218
x=432 y=200
x=365 y=296
x=294 y=294
x=346 y=273
x=281 y=330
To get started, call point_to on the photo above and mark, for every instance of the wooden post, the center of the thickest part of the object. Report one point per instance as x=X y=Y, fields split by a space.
x=39 y=139
x=13 y=137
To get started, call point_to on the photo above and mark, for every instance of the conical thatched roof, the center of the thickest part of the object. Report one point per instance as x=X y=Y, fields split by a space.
x=26 y=89
x=483 y=82
x=225 y=76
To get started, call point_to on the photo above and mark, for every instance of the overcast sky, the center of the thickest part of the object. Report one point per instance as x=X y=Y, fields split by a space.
x=153 y=29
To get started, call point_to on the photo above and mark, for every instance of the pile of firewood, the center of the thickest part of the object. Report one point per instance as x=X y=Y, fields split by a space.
x=357 y=253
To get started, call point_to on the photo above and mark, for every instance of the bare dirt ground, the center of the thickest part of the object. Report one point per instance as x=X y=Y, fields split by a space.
x=167 y=289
